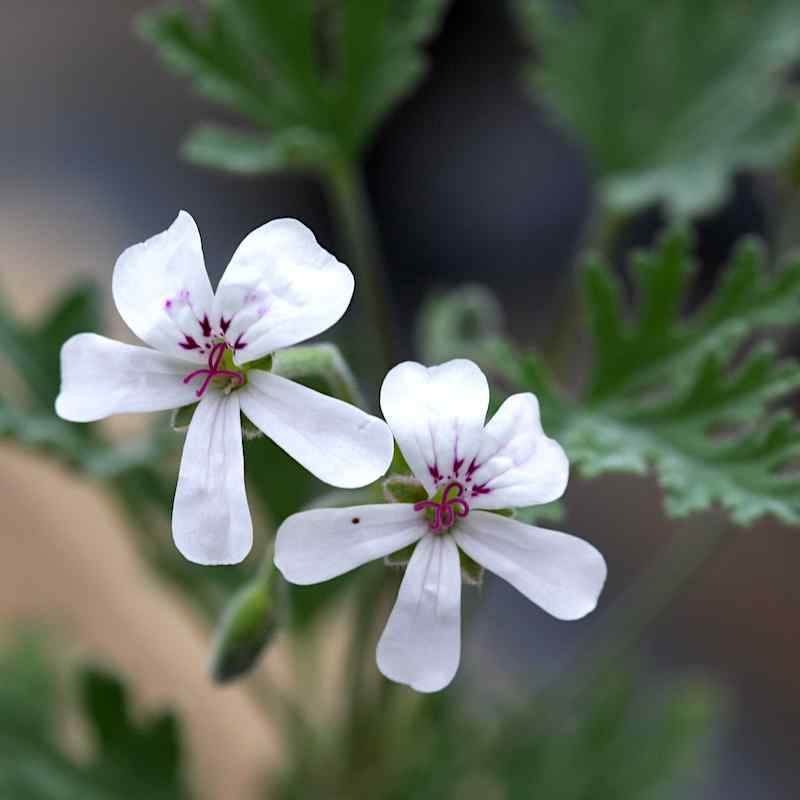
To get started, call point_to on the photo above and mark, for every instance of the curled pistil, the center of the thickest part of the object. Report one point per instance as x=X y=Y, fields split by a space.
x=447 y=510
x=215 y=357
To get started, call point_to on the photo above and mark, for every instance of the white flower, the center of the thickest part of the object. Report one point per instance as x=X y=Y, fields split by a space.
x=280 y=288
x=437 y=416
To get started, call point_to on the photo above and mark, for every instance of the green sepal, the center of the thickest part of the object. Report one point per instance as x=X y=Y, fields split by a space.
x=400 y=558
x=181 y=417
x=249 y=429
x=403 y=489
x=248 y=625
x=264 y=363
x=471 y=571
x=503 y=512
x=399 y=465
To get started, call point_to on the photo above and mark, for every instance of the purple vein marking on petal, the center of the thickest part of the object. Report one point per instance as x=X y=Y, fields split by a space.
x=213 y=371
x=457 y=464
x=239 y=344
x=205 y=325
x=224 y=324
x=481 y=489
x=435 y=474
x=189 y=343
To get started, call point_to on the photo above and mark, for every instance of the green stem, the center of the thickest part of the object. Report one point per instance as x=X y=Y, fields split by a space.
x=351 y=206
x=323 y=361
x=367 y=600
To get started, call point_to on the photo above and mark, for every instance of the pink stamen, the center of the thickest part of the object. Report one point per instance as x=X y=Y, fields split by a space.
x=448 y=510
x=213 y=371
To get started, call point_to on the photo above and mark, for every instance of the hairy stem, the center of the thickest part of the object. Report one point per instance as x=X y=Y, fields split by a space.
x=360 y=653
x=323 y=361
x=348 y=196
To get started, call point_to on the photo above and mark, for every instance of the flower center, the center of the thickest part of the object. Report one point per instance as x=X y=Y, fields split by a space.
x=445 y=507
x=218 y=356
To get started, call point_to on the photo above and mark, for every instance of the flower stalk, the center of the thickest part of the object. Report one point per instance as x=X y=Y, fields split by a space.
x=348 y=197
x=324 y=361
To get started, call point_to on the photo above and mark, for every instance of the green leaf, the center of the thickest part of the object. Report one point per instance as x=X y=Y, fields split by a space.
x=130 y=759
x=247 y=153
x=65 y=441
x=689 y=396
x=214 y=59
x=316 y=79
x=34 y=350
x=671 y=393
x=146 y=753
x=670 y=98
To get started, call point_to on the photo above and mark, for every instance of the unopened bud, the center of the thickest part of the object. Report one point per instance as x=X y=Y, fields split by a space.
x=248 y=625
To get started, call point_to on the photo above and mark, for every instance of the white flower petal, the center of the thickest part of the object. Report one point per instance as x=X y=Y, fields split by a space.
x=163 y=293
x=517 y=465
x=421 y=644
x=210 y=519
x=436 y=415
x=279 y=289
x=562 y=574
x=317 y=545
x=100 y=377
x=335 y=441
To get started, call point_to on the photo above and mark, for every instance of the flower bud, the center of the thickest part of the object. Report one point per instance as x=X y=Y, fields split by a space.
x=248 y=625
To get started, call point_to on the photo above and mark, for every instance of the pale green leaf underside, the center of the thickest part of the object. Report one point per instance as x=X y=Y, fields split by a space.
x=674 y=393
x=689 y=397
x=670 y=97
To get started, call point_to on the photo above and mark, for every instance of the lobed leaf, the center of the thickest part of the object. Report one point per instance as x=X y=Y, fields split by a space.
x=687 y=395
x=317 y=79
x=670 y=97
x=34 y=350
x=674 y=393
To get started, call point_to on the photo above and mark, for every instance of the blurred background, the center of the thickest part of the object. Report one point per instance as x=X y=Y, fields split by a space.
x=472 y=181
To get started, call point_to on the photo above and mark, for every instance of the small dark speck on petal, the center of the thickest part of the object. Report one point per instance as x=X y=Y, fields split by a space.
x=355 y=520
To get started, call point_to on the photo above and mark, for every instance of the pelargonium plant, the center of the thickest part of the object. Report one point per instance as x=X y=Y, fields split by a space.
x=637 y=377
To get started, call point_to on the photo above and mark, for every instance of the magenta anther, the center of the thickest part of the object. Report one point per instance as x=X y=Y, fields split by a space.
x=213 y=371
x=445 y=512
